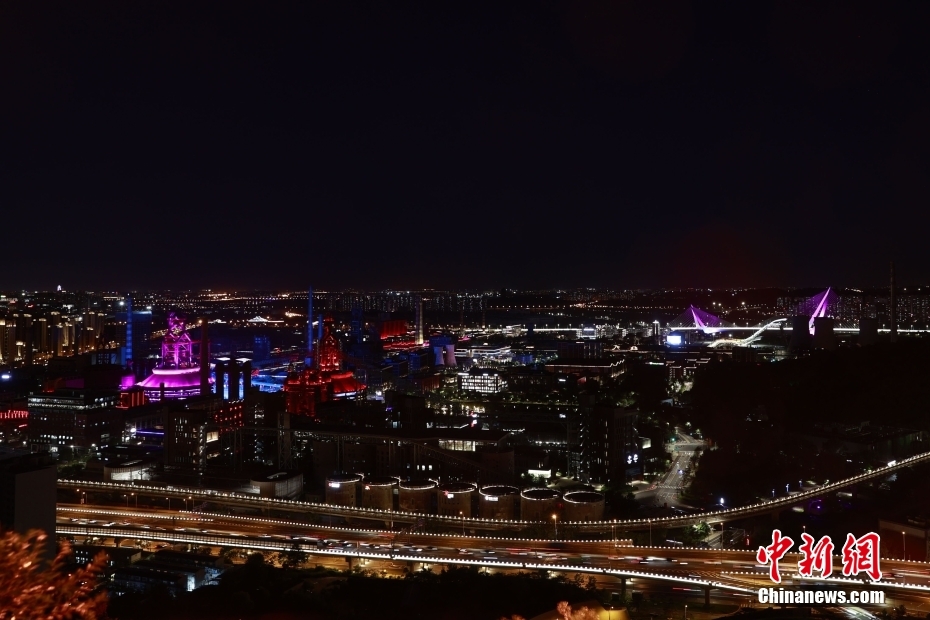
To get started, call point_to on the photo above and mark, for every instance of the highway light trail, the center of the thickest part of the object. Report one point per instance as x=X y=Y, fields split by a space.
x=241 y=499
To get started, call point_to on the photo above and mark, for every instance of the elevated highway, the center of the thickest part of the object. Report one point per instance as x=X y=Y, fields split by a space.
x=231 y=498
x=707 y=569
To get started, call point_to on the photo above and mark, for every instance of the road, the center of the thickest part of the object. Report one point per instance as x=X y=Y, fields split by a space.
x=668 y=489
x=716 y=516
x=390 y=552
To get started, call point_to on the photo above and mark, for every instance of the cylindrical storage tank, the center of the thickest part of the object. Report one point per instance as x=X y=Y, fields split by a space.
x=454 y=498
x=378 y=492
x=583 y=506
x=498 y=502
x=130 y=470
x=341 y=489
x=538 y=504
x=282 y=484
x=415 y=495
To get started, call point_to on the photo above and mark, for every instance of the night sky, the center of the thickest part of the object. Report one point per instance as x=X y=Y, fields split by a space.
x=445 y=145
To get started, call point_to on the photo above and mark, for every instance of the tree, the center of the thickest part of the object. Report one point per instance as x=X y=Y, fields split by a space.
x=31 y=589
x=256 y=558
x=293 y=557
x=591 y=585
x=567 y=613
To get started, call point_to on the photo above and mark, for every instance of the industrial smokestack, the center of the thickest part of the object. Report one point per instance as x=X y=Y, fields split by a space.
x=233 y=379
x=204 y=358
x=894 y=307
x=419 y=319
x=246 y=378
x=220 y=382
x=309 y=359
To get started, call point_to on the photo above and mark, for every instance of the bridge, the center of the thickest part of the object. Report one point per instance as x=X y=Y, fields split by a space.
x=817 y=306
x=233 y=498
x=733 y=571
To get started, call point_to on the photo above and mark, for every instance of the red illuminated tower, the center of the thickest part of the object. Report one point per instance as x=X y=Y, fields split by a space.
x=328 y=354
x=324 y=381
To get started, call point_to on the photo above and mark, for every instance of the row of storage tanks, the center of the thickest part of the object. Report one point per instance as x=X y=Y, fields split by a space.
x=456 y=499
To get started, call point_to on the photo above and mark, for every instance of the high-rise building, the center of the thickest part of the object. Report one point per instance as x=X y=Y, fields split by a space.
x=25 y=336
x=261 y=348
x=72 y=418
x=27 y=493
x=42 y=335
x=608 y=443
x=10 y=351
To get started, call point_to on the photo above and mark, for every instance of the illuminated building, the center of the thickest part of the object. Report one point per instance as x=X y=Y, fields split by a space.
x=482 y=380
x=77 y=418
x=193 y=429
x=483 y=352
x=393 y=328
x=609 y=448
x=324 y=380
x=177 y=374
x=7 y=341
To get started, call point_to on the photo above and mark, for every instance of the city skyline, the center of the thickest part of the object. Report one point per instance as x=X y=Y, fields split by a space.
x=581 y=309
x=724 y=145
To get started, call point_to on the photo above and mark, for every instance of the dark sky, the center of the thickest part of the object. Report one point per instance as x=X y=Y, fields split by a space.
x=148 y=144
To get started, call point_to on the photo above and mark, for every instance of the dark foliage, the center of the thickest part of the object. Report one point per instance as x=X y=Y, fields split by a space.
x=257 y=589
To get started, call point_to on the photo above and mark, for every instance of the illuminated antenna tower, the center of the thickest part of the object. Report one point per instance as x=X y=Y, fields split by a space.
x=894 y=308
x=419 y=319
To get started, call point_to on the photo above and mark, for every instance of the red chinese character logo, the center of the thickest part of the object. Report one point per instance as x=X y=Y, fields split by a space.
x=862 y=555
x=817 y=557
x=774 y=552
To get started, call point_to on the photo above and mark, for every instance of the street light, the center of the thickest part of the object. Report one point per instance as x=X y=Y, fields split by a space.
x=555 y=519
x=137 y=500
x=904 y=546
x=686 y=611
x=169 y=503
x=462 y=514
x=127 y=500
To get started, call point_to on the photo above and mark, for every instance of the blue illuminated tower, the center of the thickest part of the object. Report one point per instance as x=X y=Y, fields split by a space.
x=308 y=361
x=128 y=355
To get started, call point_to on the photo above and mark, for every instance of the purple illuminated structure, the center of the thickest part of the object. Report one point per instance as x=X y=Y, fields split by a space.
x=818 y=306
x=177 y=374
x=695 y=318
